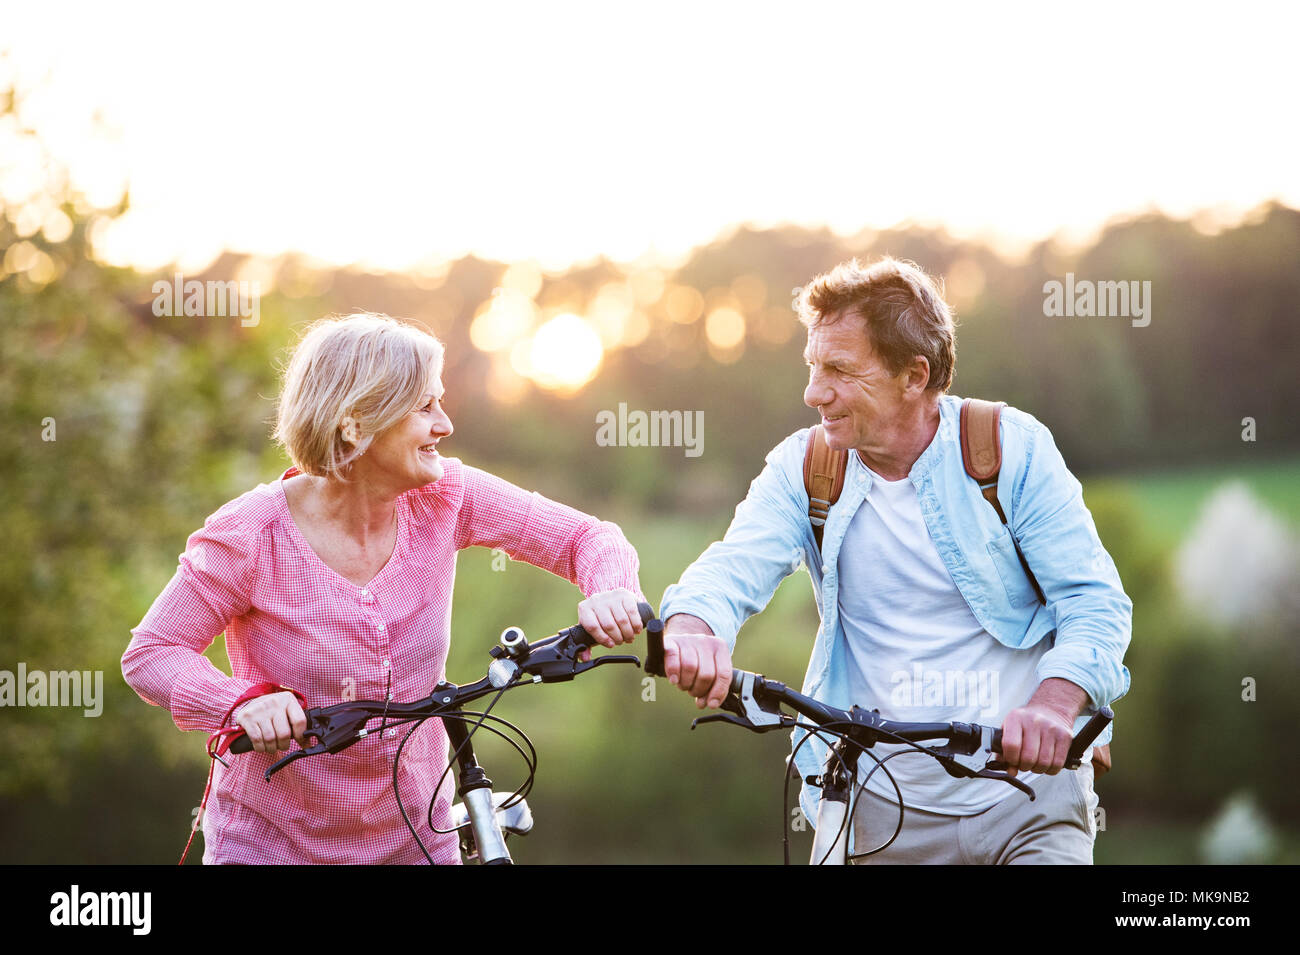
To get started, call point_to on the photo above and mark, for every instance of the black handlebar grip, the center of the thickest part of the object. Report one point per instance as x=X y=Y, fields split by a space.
x=1091 y=730
x=580 y=635
x=242 y=744
x=1100 y=720
x=654 y=634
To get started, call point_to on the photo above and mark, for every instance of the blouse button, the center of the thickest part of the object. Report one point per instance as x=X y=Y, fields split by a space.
x=388 y=663
x=380 y=627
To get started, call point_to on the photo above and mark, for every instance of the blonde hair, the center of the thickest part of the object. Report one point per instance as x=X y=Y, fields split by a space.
x=350 y=379
x=902 y=307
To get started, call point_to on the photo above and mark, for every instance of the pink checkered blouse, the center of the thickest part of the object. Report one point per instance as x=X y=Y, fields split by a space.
x=290 y=619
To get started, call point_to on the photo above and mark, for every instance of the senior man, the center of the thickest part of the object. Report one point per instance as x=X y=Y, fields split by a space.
x=932 y=608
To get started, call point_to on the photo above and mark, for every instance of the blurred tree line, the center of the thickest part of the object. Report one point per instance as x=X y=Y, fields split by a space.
x=157 y=421
x=1116 y=396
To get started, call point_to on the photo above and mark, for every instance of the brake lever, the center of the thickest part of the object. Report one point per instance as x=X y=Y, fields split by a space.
x=742 y=702
x=979 y=745
x=987 y=773
x=738 y=721
x=296 y=754
x=560 y=664
x=600 y=661
x=334 y=728
x=746 y=711
x=959 y=770
x=557 y=660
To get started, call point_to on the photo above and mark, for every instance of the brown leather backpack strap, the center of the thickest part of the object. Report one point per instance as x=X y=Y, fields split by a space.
x=823 y=479
x=981 y=447
x=981 y=455
x=1100 y=760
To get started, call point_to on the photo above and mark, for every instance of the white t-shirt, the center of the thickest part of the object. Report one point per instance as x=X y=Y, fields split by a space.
x=917 y=653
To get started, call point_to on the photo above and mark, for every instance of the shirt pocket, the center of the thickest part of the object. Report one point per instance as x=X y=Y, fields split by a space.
x=1018 y=588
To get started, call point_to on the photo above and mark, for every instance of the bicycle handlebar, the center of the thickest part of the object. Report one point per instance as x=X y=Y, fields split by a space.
x=751 y=691
x=552 y=660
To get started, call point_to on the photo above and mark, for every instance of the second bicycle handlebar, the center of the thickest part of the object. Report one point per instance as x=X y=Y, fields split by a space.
x=962 y=735
x=749 y=691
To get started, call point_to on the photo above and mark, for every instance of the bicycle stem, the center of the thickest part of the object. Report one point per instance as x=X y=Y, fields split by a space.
x=474 y=787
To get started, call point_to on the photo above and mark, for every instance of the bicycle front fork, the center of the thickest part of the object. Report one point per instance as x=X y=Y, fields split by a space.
x=834 y=826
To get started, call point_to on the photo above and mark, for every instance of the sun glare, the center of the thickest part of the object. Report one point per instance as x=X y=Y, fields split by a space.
x=502 y=320
x=564 y=354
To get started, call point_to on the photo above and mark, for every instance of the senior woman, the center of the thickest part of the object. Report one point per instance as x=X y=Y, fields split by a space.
x=336 y=581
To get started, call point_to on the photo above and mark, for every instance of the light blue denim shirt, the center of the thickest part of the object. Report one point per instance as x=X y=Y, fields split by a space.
x=1087 y=616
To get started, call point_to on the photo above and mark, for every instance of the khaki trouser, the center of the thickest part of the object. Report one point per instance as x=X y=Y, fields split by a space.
x=1058 y=827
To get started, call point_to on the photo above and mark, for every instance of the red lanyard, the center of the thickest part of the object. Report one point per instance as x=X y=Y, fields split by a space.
x=220 y=742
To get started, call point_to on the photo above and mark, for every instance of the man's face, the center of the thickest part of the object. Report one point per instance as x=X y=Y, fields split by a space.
x=849 y=384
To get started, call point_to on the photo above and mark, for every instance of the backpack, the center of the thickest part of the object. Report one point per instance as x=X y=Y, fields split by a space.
x=981 y=454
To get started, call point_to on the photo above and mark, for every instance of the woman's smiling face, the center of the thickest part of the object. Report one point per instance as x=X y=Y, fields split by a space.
x=406 y=454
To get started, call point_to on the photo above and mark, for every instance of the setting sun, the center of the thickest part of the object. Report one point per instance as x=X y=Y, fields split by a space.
x=564 y=354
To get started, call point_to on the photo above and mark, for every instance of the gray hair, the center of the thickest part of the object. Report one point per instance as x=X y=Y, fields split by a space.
x=902 y=307
x=350 y=379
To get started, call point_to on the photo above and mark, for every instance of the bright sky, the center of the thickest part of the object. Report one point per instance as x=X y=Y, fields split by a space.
x=392 y=134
